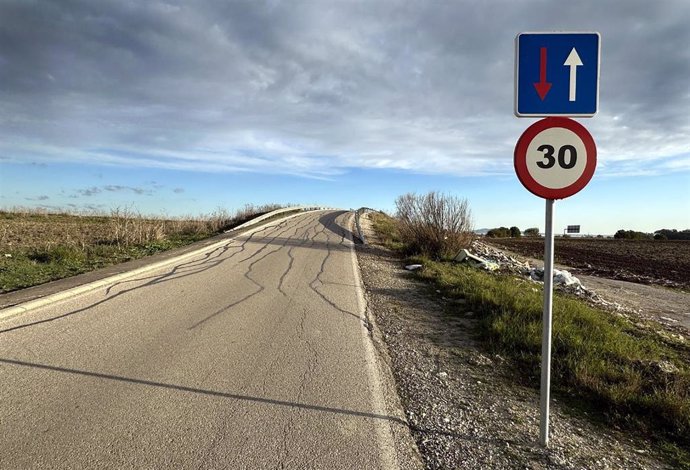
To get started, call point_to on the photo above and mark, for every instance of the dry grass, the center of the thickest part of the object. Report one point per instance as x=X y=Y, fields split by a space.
x=434 y=224
x=37 y=246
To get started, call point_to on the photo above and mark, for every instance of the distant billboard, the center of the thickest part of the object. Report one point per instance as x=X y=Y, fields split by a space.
x=572 y=229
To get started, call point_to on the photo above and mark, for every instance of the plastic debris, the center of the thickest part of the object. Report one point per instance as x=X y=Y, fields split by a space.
x=413 y=267
x=560 y=277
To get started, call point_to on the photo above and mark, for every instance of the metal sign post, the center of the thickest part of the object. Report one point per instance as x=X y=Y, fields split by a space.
x=545 y=390
x=555 y=157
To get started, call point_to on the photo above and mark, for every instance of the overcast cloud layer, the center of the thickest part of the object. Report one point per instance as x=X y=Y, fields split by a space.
x=314 y=88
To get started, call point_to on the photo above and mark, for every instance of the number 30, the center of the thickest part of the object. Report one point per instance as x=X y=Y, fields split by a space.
x=550 y=161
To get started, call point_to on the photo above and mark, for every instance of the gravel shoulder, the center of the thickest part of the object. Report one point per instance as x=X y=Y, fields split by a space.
x=464 y=407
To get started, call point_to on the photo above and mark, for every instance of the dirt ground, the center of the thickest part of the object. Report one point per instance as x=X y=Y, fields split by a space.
x=656 y=262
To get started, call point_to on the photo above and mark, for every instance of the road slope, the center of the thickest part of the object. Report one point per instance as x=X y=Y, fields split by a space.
x=254 y=355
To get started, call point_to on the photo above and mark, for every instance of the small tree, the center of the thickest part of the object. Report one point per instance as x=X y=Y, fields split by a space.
x=515 y=232
x=500 y=232
x=434 y=224
x=532 y=232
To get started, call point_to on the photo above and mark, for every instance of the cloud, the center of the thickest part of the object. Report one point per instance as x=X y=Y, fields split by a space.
x=90 y=208
x=89 y=191
x=39 y=198
x=315 y=90
x=178 y=190
x=112 y=188
x=117 y=188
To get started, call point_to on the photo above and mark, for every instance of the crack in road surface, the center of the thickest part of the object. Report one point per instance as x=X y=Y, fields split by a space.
x=277 y=377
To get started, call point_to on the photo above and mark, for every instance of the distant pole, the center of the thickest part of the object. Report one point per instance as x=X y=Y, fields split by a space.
x=546 y=326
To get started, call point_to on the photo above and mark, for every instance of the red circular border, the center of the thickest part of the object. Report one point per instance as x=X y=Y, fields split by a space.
x=520 y=158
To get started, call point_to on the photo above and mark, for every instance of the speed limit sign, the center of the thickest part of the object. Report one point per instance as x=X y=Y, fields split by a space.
x=555 y=158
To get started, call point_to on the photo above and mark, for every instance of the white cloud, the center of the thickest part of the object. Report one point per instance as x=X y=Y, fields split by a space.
x=316 y=89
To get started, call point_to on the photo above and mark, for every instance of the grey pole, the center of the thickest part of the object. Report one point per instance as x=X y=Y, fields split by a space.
x=546 y=326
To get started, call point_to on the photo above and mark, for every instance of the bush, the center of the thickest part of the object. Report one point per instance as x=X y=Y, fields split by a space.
x=500 y=232
x=631 y=235
x=532 y=232
x=666 y=234
x=434 y=224
x=505 y=232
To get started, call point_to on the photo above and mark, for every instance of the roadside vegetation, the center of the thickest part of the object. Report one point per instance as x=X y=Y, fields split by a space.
x=627 y=374
x=434 y=224
x=38 y=247
x=505 y=232
x=663 y=234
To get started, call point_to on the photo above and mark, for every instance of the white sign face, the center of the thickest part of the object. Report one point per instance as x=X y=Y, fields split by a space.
x=556 y=158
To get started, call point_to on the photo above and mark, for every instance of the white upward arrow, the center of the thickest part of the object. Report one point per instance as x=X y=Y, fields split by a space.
x=573 y=61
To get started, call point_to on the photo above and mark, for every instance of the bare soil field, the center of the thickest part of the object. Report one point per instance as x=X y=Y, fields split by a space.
x=659 y=262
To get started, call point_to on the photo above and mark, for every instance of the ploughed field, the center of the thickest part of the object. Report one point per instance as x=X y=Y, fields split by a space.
x=660 y=262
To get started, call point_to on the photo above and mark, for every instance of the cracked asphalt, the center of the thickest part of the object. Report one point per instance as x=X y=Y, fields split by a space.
x=254 y=355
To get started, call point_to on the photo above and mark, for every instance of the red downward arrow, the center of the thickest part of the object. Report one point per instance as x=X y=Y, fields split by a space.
x=543 y=86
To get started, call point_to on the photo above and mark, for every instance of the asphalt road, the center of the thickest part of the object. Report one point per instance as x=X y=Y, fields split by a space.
x=255 y=355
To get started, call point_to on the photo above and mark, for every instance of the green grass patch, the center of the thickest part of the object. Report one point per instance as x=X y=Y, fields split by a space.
x=636 y=378
x=26 y=268
x=387 y=231
x=627 y=375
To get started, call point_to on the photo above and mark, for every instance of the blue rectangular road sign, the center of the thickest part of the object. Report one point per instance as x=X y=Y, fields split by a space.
x=557 y=74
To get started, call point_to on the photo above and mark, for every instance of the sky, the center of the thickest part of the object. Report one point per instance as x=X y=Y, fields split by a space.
x=180 y=108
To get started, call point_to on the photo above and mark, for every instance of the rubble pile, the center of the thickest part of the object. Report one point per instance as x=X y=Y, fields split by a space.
x=505 y=262
x=562 y=279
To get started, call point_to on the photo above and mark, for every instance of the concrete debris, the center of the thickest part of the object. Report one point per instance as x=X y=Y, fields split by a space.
x=667 y=367
x=562 y=280
x=479 y=359
x=659 y=368
x=413 y=267
x=466 y=256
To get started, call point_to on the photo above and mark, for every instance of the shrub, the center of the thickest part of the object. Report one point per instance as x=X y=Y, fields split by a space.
x=632 y=235
x=500 y=232
x=515 y=232
x=532 y=232
x=666 y=234
x=434 y=224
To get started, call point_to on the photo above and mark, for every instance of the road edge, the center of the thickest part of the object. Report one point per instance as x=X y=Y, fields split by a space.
x=393 y=437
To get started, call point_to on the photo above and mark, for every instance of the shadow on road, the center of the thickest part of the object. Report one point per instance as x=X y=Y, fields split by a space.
x=331 y=223
x=213 y=393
